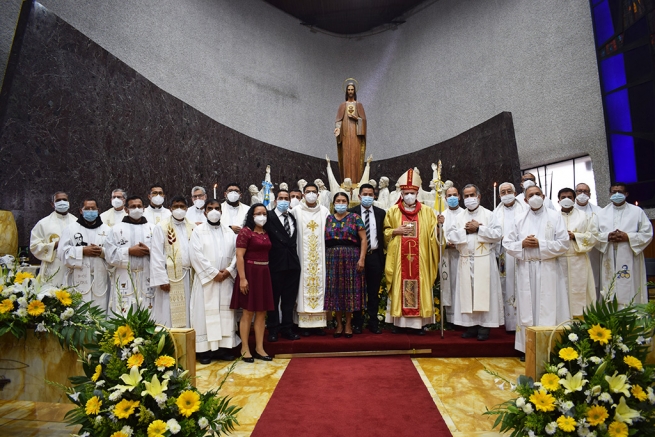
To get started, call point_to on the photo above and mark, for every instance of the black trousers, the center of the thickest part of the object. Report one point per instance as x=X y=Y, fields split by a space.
x=285 y=291
x=373 y=269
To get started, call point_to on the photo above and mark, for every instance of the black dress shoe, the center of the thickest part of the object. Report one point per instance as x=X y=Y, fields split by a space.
x=348 y=335
x=223 y=355
x=483 y=334
x=204 y=358
x=261 y=357
x=337 y=334
x=305 y=333
x=290 y=335
x=375 y=329
x=357 y=329
x=248 y=359
x=320 y=332
x=272 y=337
x=471 y=332
x=418 y=331
x=397 y=330
x=522 y=359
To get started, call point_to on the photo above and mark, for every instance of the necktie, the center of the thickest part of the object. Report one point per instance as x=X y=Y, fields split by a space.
x=286 y=224
x=368 y=229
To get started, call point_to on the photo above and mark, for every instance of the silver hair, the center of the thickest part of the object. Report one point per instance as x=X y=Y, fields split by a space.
x=507 y=183
x=477 y=190
x=58 y=192
x=121 y=190
x=196 y=188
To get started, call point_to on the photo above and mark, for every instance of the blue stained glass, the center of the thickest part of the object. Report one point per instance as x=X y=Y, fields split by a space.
x=617 y=106
x=612 y=73
x=623 y=158
x=603 y=23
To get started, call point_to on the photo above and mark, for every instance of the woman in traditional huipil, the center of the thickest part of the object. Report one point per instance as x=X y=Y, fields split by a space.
x=252 y=288
x=345 y=242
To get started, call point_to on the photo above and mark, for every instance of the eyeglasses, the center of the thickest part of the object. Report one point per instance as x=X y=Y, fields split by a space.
x=197 y=196
x=587 y=192
x=154 y=193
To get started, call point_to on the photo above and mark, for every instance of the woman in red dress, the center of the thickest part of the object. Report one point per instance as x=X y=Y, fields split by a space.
x=252 y=288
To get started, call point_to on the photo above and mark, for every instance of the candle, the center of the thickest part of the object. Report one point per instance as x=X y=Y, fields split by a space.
x=494 y=195
x=215 y=185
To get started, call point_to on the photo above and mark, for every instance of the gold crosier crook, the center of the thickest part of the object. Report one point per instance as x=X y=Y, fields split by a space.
x=439 y=187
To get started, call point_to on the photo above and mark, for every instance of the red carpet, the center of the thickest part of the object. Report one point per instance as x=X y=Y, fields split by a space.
x=344 y=397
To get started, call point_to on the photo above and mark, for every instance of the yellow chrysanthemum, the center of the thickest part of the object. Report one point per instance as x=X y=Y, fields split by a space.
x=568 y=354
x=164 y=361
x=599 y=334
x=188 y=403
x=543 y=401
x=550 y=381
x=633 y=362
x=96 y=375
x=35 y=308
x=566 y=424
x=93 y=406
x=618 y=429
x=123 y=335
x=639 y=393
x=64 y=297
x=21 y=276
x=125 y=408
x=597 y=415
x=6 y=306
x=135 y=360
x=119 y=434
x=157 y=428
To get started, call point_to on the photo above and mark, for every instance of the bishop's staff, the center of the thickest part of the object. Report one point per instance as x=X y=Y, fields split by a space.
x=440 y=190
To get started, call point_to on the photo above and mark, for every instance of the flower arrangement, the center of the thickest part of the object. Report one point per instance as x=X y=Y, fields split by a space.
x=596 y=383
x=132 y=387
x=29 y=302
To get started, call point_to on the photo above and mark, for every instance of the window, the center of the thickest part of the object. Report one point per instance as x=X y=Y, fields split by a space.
x=565 y=174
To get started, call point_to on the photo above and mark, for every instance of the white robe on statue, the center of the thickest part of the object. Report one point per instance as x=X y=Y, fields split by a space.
x=89 y=274
x=575 y=265
x=505 y=216
x=625 y=259
x=541 y=298
x=448 y=264
x=310 y=223
x=478 y=297
x=156 y=215
x=213 y=248
x=196 y=216
x=111 y=216
x=43 y=238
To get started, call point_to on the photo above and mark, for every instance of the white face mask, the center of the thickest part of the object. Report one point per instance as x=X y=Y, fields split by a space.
x=62 y=206
x=116 y=202
x=136 y=213
x=507 y=199
x=233 y=196
x=214 y=216
x=179 y=213
x=157 y=200
x=536 y=202
x=471 y=203
x=311 y=197
x=294 y=202
x=410 y=198
x=582 y=199
x=199 y=203
x=260 y=220
x=566 y=203
x=527 y=184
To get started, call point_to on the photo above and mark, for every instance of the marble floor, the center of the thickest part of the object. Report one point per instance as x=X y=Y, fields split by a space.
x=460 y=387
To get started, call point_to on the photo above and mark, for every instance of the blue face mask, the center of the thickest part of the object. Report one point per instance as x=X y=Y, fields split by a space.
x=90 y=216
x=452 y=201
x=617 y=198
x=283 y=205
x=367 y=201
x=340 y=207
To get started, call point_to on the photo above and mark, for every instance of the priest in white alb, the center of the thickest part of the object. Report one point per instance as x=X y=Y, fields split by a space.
x=624 y=232
x=536 y=239
x=233 y=211
x=477 y=299
x=582 y=193
x=196 y=212
x=44 y=239
x=450 y=255
x=156 y=211
x=213 y=257
x=117 y=211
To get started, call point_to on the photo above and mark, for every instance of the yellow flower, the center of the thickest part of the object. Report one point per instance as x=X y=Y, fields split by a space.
x=188 y=403
x=566 y=424
x=618 y=429
x=123 y=335
x=6 y=306
x=154 y=388
x=135 y=360
x=599 y=334
x=93 y=406
x=164 y=361
x=157 y=428
x=639 y=393
x=617 y=384
x=597 y=415
x=633 y=362
x=543 y=401
x=125 y=408
x=573 y=382
x=36 y=308
x=64 y=297
x=568 y=354
x=96 y=375
x=21 y=276
x=624 y=413
x=119 y=434
x=550 y=381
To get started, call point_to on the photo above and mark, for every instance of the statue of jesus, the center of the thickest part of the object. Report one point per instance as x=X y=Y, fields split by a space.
x=350 y=131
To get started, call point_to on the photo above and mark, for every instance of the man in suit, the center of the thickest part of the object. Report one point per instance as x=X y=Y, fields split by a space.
x=284 y=266
x=373 y=218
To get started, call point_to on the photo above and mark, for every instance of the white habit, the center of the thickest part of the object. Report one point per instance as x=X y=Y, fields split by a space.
x=233 y=215
x=196 y=216
x=448 y=264
x=156 y=215
x=112 y=216
x=43 y=238
x=212 y=249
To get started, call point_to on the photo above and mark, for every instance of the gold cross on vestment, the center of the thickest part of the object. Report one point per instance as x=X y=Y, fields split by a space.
x=481 y=247
x=312 y=225
x=410 y=256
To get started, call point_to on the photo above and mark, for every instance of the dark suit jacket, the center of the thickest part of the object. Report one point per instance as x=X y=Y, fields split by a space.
x=379 y=214
x=283 y=255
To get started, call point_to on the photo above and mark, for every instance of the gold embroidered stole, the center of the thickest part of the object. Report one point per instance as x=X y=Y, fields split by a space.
x=176 y=272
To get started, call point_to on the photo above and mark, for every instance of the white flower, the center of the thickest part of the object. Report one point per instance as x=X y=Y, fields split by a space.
x=595 y=360
x=641 y=340
x=98 y=419
x=651 y=395
x=74 y=396
x=12 y=297
x=551 y=428
x=161 y=399
x=624 y=348
x=135 y=350
x=115 y=396
x=86 y=434
x=125 y=354
x=127 y=430
x=527 y=408
x=573 y=338
x=22 y=302
x=520 y=402
x=100 y=383
x=566 y=406
x=584 y=431
x=67 y=314
x=138 y=341
x=167 y=375
x=531 y=433
x=173 y=426
x=605 y=397
x=562 y=372
x=21 y=312
x=595 y=390
x=112 y=417
x=41 y=327
x=203 y=423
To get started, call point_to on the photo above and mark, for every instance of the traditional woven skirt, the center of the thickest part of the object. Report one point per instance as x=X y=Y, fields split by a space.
x=345 y=287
